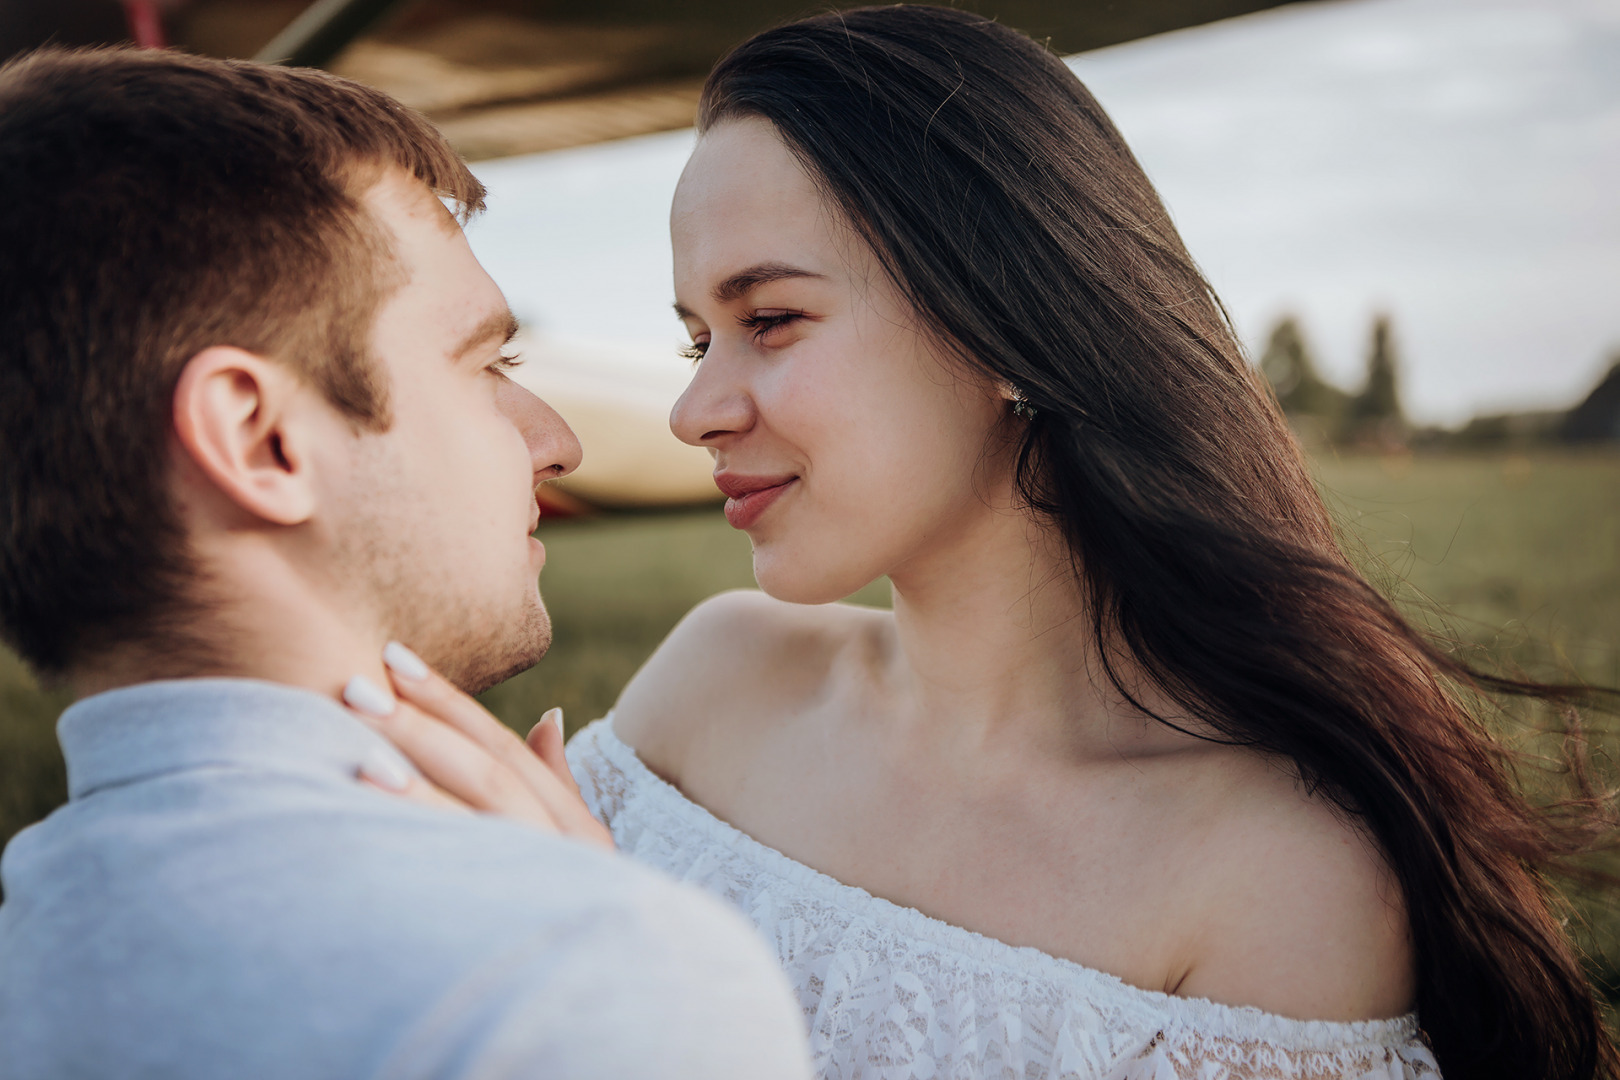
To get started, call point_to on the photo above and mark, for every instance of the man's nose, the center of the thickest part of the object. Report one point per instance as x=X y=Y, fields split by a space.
x=554 y=450
x=713 y=407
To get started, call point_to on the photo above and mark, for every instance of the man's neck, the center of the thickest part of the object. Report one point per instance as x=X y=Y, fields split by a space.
x=262 y=619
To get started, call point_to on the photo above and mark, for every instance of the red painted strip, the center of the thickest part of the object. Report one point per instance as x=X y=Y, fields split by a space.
x=145 y=24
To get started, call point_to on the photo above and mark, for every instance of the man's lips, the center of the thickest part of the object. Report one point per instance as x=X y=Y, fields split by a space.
x=748 y=497
x=535 y=546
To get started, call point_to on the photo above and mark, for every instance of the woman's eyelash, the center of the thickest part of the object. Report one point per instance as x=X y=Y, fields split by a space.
x=505 y=363
x=759 y=323
x=762 y=324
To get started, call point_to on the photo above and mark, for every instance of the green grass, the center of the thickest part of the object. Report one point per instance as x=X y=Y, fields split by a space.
x=1523 y=553
x=1516 y=558
x=32 y=779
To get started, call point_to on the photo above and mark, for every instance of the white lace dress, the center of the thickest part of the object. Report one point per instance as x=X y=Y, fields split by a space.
x=890 y=993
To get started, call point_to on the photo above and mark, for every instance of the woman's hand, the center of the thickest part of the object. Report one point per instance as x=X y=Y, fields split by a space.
x=471 y=761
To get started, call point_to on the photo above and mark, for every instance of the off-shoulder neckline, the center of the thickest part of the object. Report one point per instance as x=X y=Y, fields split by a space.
x=1213 y=1017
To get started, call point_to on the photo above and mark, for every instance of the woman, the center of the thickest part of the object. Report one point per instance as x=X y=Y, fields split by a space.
x=1139 y=778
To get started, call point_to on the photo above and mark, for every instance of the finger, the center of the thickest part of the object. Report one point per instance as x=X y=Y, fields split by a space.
x=463 y=769
x=448 y=758
x=434 y=695
x=382 y=770
x=546 y=740
x=418 y=790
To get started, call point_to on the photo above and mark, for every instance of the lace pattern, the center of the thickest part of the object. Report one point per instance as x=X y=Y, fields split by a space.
x=891 y=994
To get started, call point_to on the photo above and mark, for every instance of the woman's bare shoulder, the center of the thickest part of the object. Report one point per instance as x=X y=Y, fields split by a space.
x=1300 y=913
x=735 y=663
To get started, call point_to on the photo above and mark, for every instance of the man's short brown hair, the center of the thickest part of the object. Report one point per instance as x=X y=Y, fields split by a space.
x=154 y=204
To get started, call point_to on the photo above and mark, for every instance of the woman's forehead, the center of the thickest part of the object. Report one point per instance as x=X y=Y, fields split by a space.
x=746 y=199
x=744 y=163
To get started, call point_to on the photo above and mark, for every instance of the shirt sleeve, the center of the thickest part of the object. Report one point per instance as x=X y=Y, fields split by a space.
x=685 y=993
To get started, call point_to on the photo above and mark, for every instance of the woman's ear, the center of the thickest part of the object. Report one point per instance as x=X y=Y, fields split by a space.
x=233 y=414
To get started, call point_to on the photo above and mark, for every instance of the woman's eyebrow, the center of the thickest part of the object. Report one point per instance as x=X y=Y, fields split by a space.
x=746 y=281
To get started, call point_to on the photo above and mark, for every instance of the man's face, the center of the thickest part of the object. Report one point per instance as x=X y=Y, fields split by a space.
x=431 y=518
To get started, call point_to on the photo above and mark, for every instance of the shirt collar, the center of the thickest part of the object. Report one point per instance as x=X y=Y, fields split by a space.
x=135 y=732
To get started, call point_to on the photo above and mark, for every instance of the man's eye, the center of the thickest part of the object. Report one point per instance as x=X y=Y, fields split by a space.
x=504 y=363
x=693 y=352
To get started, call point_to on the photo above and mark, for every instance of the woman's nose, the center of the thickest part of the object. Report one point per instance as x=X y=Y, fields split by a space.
x=713 y=407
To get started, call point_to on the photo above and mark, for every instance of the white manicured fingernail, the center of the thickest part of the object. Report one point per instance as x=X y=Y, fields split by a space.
x=555 y=716
x=403 y=661
x=385 y=771
x=366 y=696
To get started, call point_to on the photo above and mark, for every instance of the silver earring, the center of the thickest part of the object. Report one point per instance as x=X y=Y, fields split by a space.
x=1021 y=405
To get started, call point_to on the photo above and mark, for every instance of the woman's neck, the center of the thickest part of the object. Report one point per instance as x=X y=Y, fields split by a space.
x=996 y=639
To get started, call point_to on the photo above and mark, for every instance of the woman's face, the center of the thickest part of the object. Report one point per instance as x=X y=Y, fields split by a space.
x=849 y=447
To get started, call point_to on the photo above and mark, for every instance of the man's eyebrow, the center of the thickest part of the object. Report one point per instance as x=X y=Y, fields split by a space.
x=501 y=327
x=746 y=281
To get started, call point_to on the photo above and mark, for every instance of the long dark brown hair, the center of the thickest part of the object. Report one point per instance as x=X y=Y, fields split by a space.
x=1006 y=207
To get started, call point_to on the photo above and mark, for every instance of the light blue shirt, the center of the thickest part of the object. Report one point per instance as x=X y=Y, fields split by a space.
x=220 y=898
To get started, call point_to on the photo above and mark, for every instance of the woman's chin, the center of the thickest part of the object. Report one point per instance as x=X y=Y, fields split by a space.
x=798 y=581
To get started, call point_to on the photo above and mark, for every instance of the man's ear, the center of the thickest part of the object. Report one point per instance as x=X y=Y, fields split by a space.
x=235 y=417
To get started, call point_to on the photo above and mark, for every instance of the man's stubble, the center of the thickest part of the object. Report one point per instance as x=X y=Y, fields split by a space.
x=414 y=576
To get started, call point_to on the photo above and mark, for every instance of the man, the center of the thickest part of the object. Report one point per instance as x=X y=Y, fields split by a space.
x=254 y=425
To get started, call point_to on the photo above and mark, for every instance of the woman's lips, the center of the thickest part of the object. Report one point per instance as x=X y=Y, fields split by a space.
x=748 y=497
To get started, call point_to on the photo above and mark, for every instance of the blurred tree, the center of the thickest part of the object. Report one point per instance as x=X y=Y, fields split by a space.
x=1288 y=366
x=1380 y=398
x=1375 y=418
x=1598 y=417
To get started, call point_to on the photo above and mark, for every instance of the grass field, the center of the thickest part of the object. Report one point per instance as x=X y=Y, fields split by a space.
x=1516 y=557
x=1524 y=553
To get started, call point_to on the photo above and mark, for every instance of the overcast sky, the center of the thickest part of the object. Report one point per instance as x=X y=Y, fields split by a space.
x=1453 y=162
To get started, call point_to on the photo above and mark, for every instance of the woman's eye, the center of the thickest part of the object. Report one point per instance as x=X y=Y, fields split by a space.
x=504 y=363
x=762 y=323
x=759 y=324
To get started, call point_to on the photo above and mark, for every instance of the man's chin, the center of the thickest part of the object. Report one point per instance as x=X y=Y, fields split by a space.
x=475 y=665
x=477 y=683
